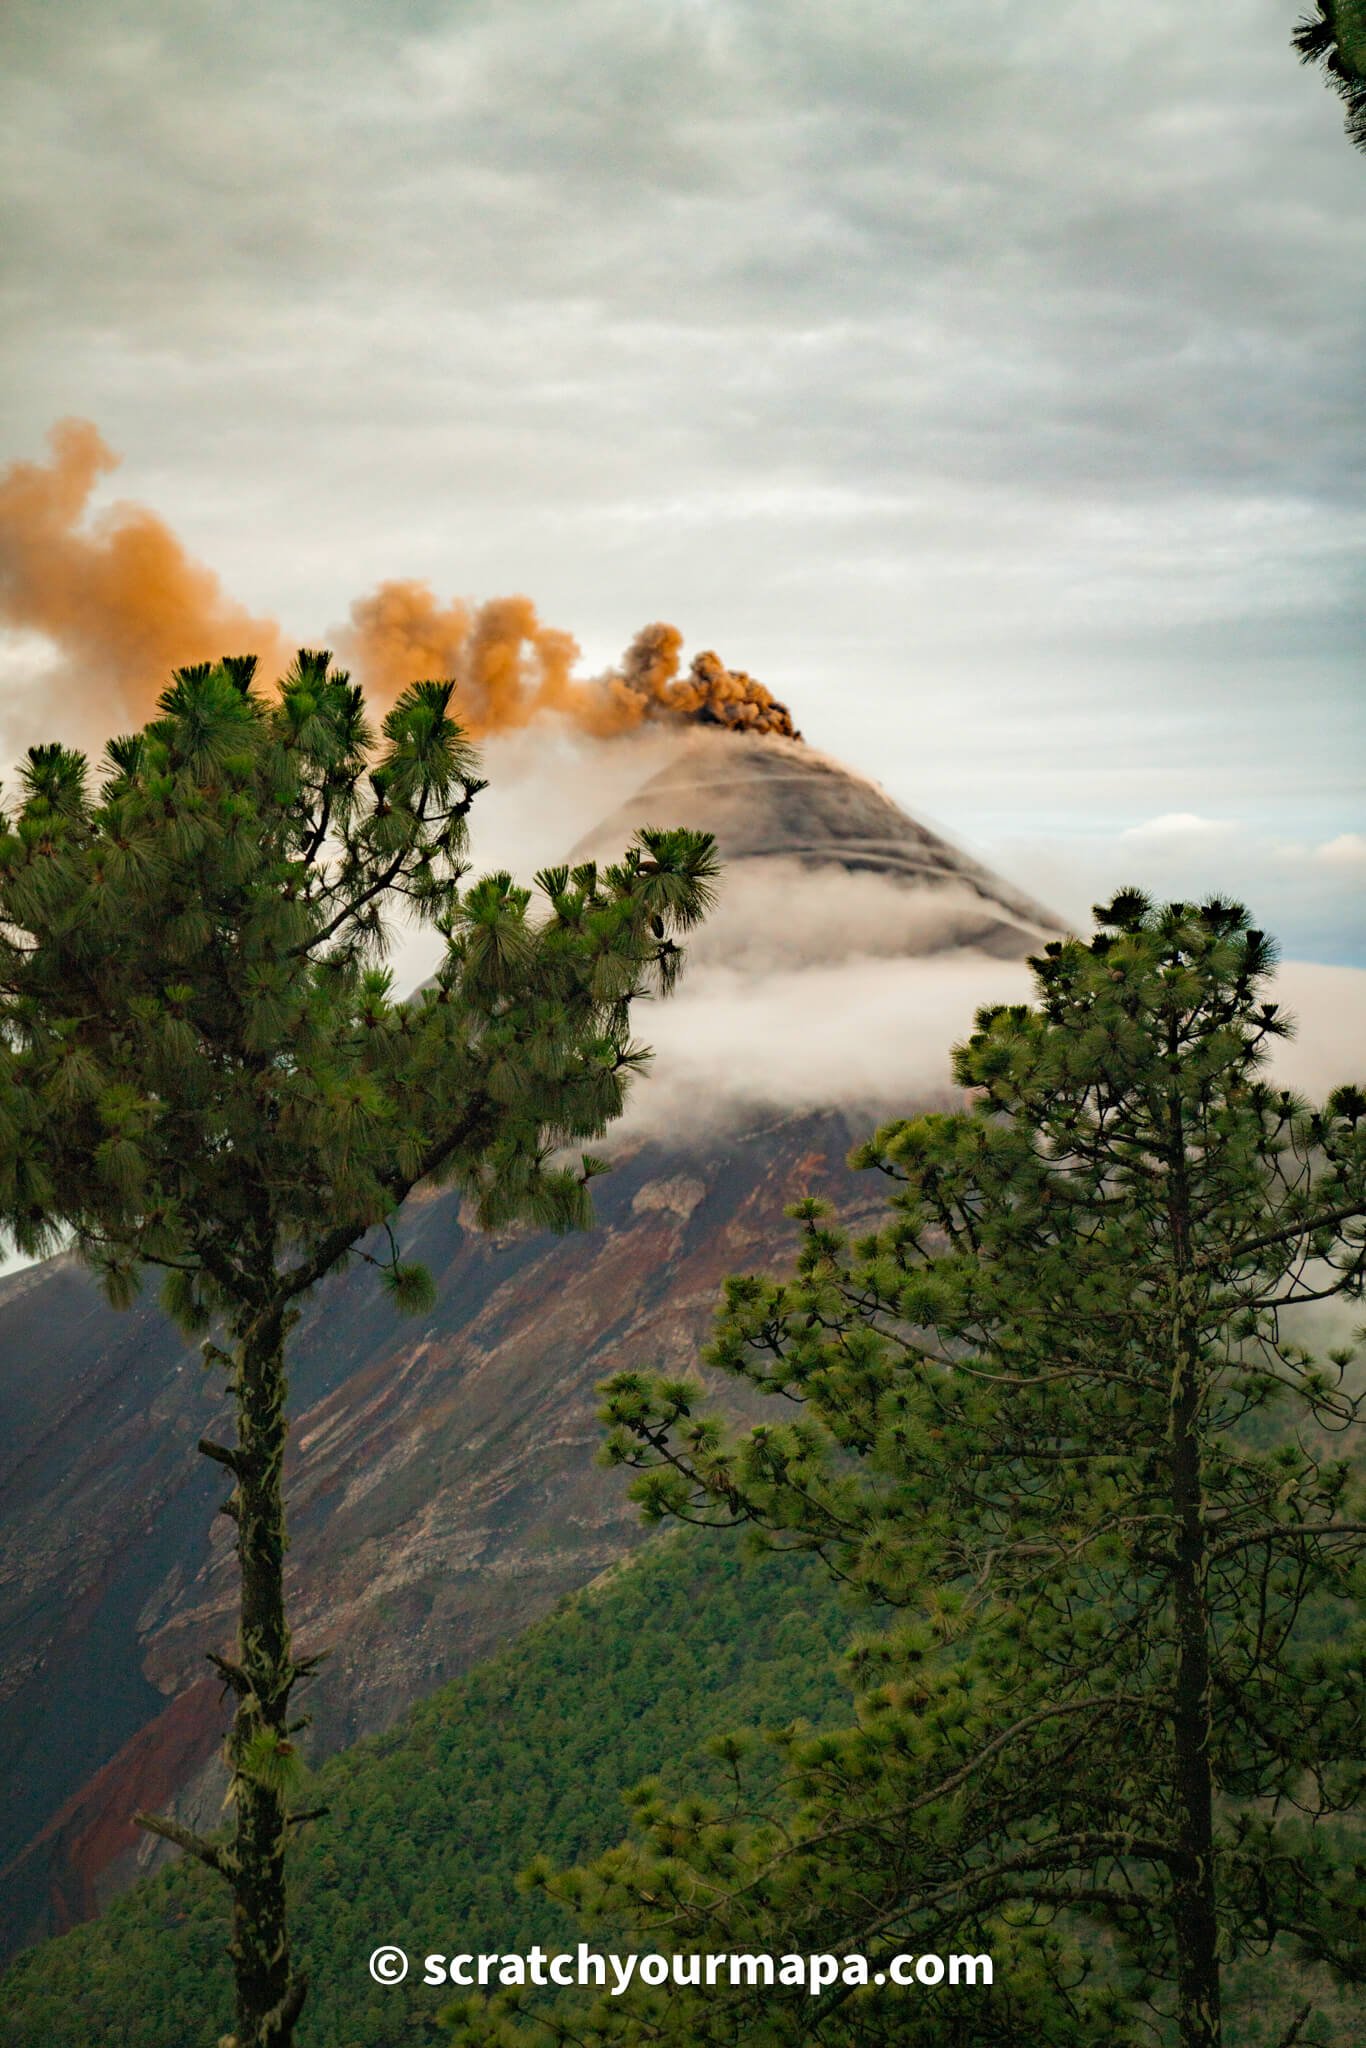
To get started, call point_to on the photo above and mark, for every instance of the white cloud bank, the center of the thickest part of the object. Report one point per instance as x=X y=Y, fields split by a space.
x=874 y=1035
x=814 y=988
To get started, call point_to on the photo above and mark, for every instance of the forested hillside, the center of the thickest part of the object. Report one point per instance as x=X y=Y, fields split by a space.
x=429 y=1825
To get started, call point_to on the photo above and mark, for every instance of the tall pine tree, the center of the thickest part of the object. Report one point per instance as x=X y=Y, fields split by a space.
x=1057 y=1411
x=206 y=1071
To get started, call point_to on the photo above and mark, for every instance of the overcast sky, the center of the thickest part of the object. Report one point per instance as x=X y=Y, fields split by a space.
x=987 y=380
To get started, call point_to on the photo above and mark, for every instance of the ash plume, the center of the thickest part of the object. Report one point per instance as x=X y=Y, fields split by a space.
x=510 y=668
x=710 y=693
x=124 y=603
x=118 y=595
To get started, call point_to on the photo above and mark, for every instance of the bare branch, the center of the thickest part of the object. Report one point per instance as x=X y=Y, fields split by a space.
x=184 y=1838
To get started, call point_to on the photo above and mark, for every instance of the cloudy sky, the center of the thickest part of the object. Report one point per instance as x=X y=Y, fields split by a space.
x=988 y=381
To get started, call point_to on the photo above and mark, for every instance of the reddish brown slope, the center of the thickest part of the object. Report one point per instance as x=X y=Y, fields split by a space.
x=444 y=1486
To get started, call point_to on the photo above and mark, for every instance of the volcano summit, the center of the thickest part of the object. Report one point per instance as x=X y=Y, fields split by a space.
x=774 y=800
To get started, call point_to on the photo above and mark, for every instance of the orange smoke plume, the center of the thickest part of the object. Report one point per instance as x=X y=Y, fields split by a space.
x=710 y=693
x=119 y=596
x=509 y=668
x=125 y=605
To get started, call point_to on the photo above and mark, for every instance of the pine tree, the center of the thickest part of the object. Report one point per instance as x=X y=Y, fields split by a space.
x=1058 y=1412
x=206 y=1071
x=1335 y=37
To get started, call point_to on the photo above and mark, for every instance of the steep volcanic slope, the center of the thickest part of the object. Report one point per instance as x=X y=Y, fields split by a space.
x=776 y=801
x=443 y=1487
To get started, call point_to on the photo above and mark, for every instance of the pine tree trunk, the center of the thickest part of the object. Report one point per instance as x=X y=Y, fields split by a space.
x=1196 y=1924
x=269 y=1995
x=1195 y=1920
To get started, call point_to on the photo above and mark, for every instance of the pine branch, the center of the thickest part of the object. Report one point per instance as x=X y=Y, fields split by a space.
x=1289 y=1532
x=220 y=1455
x=1296 y=2027
x=232 y=1675
x=1284 y=1234
x=186 y=1839
x=298 y=1279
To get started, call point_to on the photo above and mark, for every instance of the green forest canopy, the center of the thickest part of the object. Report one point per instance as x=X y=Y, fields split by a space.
x=431 y=1823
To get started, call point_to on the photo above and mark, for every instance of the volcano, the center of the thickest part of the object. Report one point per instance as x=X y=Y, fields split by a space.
x=775 y=802
x=442 y=1482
